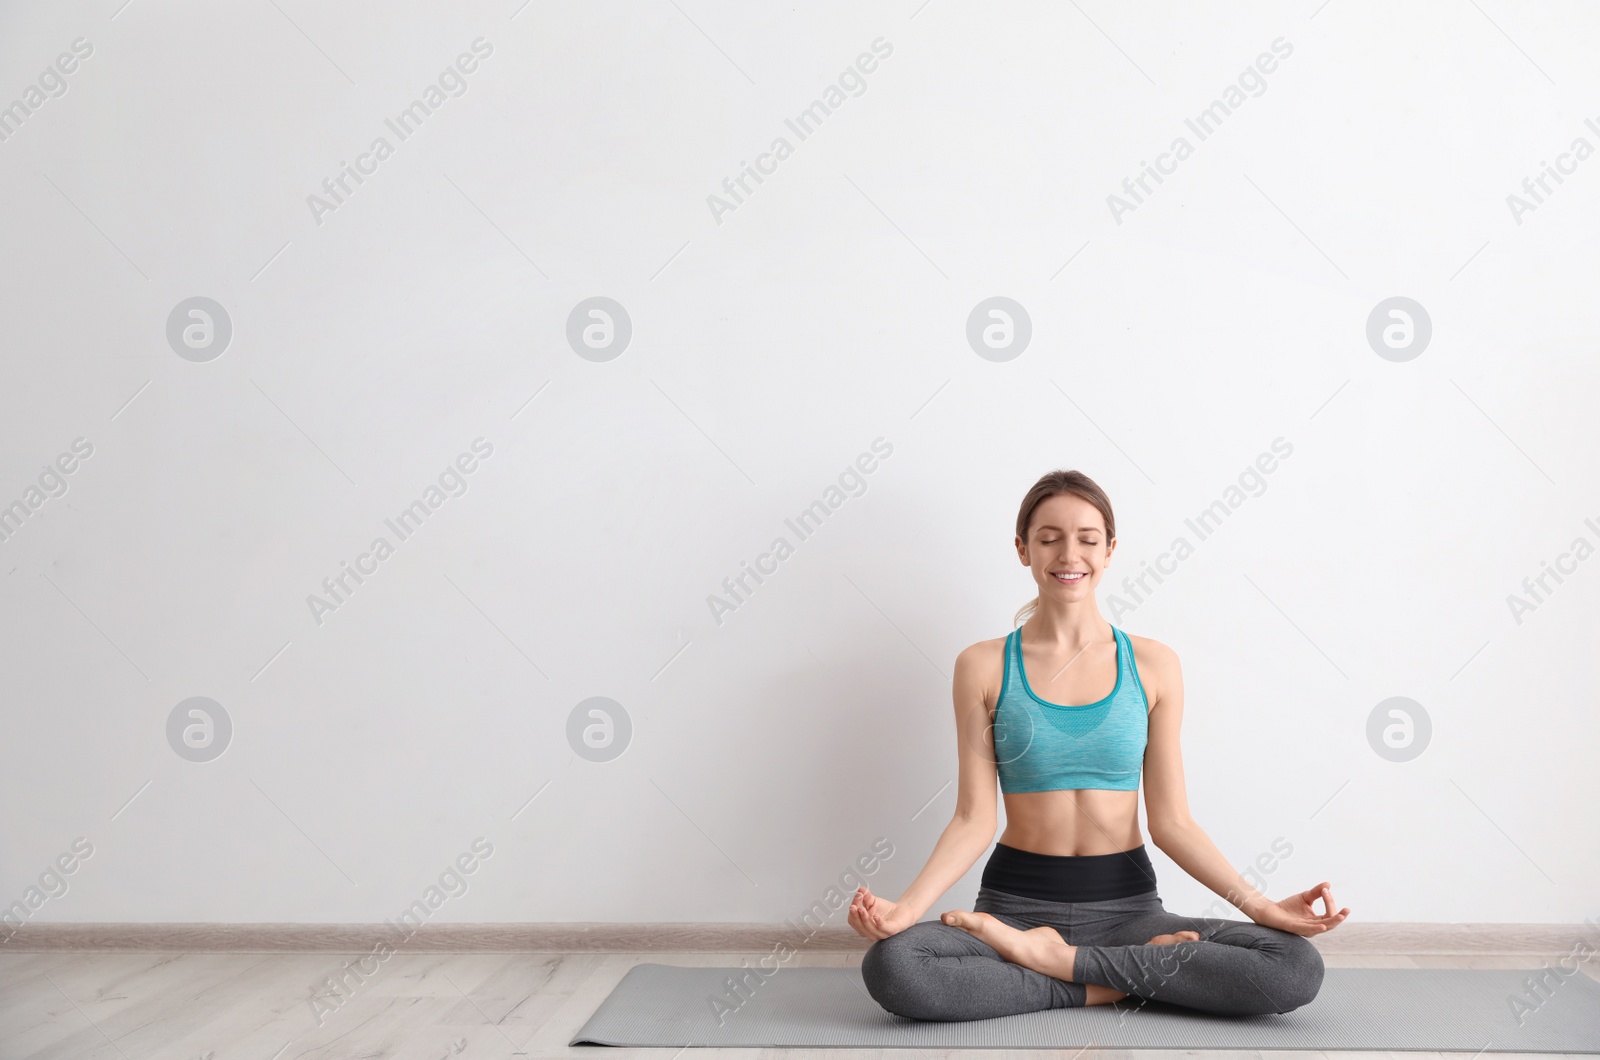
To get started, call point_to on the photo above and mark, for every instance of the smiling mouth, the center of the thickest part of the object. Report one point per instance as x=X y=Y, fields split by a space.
x=1070 y=579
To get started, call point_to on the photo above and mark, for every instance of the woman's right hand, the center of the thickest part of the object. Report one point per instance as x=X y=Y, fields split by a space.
x=877 y=918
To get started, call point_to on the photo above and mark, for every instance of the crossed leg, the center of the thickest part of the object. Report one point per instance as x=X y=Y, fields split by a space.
x=937 y=971
x=1044 y=950
x=1223 y=966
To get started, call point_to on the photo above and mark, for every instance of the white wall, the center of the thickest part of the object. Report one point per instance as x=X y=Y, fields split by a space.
x=771 y=346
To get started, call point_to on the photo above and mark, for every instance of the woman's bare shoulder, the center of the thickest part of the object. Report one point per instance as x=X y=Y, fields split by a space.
x=1157 y=664
x=983 y=664
x=1150 y=648
x=978 y=649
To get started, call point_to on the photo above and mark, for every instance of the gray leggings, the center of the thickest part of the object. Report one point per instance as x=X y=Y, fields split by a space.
x=932 y=971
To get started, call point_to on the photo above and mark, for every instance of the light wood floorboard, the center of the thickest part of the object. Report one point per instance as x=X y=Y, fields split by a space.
x=441 y=1006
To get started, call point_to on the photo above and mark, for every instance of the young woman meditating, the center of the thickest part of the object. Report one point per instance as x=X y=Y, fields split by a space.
x=1064 y=712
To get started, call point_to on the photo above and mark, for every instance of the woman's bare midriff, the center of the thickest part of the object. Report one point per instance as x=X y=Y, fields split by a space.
x=1072 y=822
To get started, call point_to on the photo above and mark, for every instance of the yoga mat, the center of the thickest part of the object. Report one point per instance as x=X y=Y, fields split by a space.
x=1431 y=1009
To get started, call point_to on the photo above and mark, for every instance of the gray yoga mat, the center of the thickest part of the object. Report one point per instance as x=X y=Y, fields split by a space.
x=1431 y=1009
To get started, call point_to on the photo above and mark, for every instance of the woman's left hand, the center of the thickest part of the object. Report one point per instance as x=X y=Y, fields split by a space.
x=1298 y=912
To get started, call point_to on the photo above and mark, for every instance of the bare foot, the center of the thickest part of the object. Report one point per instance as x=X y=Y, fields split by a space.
x=1041 y=948
x=1104 y=995
x=1175 y=938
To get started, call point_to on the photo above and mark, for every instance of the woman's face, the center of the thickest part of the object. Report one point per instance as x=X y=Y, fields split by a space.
x=1067 y=548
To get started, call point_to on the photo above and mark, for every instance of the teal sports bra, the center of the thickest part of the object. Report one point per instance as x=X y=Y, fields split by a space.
x=1042 y=746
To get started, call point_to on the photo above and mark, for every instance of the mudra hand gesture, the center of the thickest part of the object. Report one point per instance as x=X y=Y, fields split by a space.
x=1298 y=912
x=877 y=918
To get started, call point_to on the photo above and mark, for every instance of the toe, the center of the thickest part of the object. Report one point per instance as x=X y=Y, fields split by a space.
x=960 y=918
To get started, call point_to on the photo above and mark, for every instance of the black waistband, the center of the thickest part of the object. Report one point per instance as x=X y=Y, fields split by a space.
x=1070 y=877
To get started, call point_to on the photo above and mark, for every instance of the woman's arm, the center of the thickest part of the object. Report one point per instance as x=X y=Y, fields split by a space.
x=1173 y=829
x=970 y=830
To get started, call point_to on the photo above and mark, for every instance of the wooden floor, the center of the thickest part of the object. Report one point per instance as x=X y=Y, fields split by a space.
x=257 y=1006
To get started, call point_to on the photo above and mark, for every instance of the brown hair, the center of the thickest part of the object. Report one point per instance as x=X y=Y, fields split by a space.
x=1053 y=484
